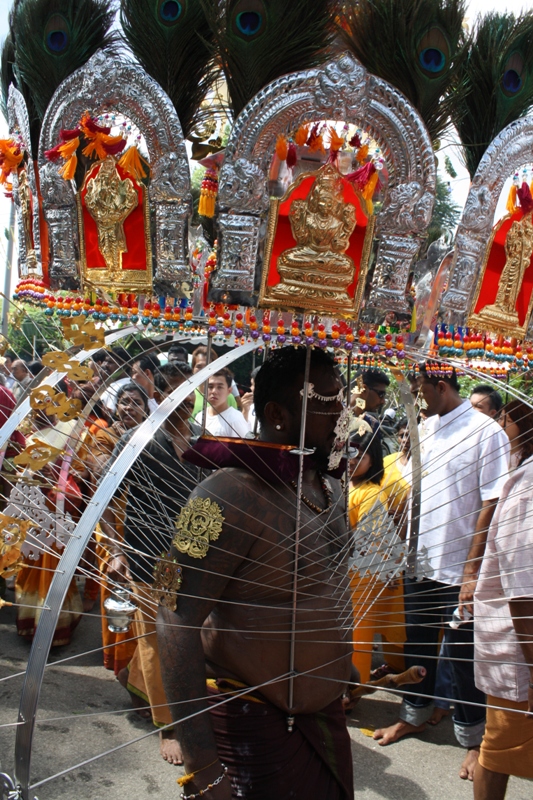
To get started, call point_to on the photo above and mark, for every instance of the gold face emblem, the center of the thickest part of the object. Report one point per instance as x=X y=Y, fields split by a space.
x=198 y=524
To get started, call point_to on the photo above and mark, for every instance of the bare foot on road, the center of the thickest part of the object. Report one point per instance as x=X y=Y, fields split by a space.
x=169 y=747
x=395 y=732
x=140 y=706
x=438 y=714
x=469 y=764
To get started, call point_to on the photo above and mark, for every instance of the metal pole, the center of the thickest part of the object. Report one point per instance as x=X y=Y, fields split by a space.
x=301 y=454
x=9 y=266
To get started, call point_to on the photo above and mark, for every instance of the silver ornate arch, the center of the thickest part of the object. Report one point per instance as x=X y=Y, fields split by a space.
x=508 y=151
x=341 y=90
x=107 y=84
x=19 y=124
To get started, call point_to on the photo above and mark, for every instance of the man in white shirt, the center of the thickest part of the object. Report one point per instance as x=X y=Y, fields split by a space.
x=464 y=457
x=221 y=420
x=144 y=370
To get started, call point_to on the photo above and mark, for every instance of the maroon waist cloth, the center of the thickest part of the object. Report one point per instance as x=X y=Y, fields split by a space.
x=266 y=762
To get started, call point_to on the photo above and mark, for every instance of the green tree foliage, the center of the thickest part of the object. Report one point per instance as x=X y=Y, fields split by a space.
x=446 y=213
x=34 y=327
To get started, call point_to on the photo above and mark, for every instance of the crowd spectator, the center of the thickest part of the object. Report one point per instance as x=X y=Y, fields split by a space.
x=22 y=377
x=144 y=370
x=464 y=465
x=221 y=419
x=503 y=620
x=487 y=399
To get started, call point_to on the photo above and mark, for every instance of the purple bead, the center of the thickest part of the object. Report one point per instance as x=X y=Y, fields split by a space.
x=336 y=342
x=348 y=345
x=309 y=340
x=267 y=337
x=364 y=348
x=296 y=339
x=375 y=348
x=254 y=334
x=213 y=329
x=323 y=342
x=282 y=338
x=389 y=353
x=401 y=354
x=227 y=331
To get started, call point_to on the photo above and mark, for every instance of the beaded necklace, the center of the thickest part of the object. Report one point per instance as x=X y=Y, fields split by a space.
x=327 y=494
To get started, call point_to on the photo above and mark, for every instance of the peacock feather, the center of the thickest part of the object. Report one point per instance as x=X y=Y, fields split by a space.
x=52 y=38
x=172 y=41
x=416 y=45
x=257 y=41
x=498 y=75
x=9 y=77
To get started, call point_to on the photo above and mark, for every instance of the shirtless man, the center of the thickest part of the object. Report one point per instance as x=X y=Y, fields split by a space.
x=232 y=619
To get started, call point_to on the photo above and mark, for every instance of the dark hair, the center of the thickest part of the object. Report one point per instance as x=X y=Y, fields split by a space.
x=35 y=367
x=522 y=416
x=279 y=374
x=201 y=350
x=119 y=354
x=174 y=369
x=254 y=373
x=402 y=423
x=495 y=398
x=10 y=354
x=99 y=356
x=225 y=373
x=180 y=350
x=369 y=443
x=373 y=377
x=448 y=376
x=133 y=387
x=148 y=361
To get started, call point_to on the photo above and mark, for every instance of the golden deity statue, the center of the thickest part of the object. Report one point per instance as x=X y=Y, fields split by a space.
x=27 y=222
x=502 y=316
x=318 y=266
x=109 y=200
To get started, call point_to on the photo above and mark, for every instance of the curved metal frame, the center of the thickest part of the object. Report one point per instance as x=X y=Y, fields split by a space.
x=506 y=153
x=19 y=124
x=73 y=552
x=106 y=84
x=341 y=90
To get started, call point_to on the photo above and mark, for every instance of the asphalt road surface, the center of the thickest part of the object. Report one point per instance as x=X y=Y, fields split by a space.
x=83 y=713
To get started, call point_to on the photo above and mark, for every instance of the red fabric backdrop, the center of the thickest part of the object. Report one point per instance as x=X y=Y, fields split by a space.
x=495 y=265
x=135 y=258
x=284 y=239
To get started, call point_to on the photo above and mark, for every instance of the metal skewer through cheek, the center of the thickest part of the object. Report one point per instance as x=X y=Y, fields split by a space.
x=301 y=452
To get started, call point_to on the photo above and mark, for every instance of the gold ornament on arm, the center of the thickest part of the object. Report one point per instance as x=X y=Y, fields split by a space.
x=168 y=577
x=198 y=524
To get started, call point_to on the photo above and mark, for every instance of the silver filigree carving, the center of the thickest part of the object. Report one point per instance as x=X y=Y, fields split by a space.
x=59 y=206
x=171 y=250
x=344 y=79
x=409 y=209
x=238 y=245
x=506 y=154
x=51 y=528
x=109 y=85
x=243 y=187
x=341 y=90
x=393 y=263
x=19 y=128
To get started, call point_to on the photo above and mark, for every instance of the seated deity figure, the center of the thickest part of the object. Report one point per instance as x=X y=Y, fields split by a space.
x=502 y=314
x=321 y=225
